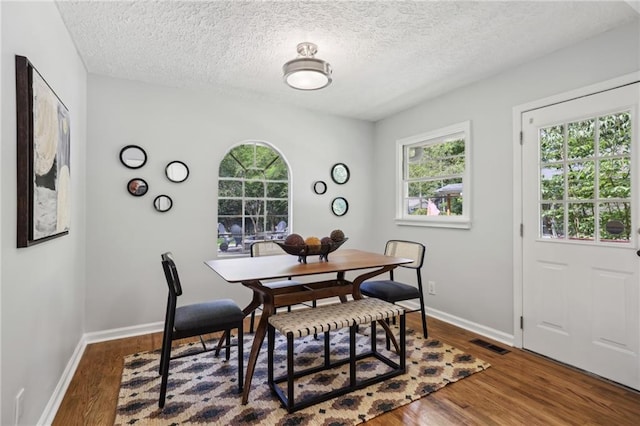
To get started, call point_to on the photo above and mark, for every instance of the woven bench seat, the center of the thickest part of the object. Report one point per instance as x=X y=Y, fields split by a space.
x=304 y=322
x=324 y=319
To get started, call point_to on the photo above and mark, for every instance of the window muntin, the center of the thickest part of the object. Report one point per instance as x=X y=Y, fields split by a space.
x=585 y=179
x=434 y=184
x=253 y=197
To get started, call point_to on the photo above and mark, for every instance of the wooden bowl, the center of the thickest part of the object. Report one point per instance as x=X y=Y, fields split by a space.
x=304 y=250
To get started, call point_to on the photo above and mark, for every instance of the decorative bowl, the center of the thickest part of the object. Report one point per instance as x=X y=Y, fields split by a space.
x=304 y=250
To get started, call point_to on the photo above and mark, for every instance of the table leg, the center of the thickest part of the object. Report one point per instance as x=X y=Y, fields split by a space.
x=258 y=338
x=252 y=306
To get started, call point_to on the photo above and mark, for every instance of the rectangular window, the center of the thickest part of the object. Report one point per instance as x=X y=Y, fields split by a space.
x=434 y=188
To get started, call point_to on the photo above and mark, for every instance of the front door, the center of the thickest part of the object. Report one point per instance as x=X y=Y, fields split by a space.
x=580 y=198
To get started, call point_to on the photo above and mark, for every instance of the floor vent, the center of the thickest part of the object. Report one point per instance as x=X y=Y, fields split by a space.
x=490 y=346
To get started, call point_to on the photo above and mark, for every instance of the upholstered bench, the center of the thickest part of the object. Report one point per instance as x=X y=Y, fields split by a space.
x=323 y=319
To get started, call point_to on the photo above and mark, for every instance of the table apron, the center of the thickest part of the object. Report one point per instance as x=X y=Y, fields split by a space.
x=304 y=292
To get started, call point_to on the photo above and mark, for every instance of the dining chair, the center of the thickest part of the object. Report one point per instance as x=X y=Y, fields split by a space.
x=394 y=291
x=269 y=248
x=196 y=320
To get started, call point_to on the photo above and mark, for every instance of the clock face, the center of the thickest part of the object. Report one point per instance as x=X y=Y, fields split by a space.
x=340 y=173
x=339 y=206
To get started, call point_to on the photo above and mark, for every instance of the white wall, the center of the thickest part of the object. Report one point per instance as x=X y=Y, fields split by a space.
x=473 y=268
x=42 y=286
x=125 y=235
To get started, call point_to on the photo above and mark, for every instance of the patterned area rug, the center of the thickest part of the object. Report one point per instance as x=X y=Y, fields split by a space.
x=203 y=389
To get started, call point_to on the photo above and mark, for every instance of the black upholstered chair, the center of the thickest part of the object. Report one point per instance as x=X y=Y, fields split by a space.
x=269 y=248
x=195 y=320
x=393 y=291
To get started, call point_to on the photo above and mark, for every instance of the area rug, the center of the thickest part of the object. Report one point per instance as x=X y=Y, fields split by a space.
x=203 y=389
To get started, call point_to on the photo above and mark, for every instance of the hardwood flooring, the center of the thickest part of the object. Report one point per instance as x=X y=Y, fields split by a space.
x=520 y=388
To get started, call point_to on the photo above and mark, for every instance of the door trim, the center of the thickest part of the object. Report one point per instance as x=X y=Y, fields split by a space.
x=517 y=112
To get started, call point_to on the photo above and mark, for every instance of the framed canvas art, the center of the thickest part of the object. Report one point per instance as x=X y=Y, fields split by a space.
x=43 y=151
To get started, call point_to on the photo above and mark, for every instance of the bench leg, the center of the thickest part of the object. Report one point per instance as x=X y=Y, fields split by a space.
x=403 y=345
x=289 y=372
x=271 y=334
x=327 y=350
x=352 y=355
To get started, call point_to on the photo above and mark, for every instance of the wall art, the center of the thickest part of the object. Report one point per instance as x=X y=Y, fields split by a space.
x=43 y=151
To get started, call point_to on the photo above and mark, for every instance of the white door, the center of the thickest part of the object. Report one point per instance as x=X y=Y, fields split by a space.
x=581 y=200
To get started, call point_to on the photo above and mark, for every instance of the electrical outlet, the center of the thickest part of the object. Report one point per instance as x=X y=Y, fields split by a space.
x=19 y=406
x=432 y=287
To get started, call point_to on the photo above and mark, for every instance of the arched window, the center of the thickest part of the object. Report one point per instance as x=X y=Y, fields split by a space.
x=253 y=197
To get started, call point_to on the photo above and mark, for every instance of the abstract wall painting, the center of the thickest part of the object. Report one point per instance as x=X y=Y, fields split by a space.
x=43 y=151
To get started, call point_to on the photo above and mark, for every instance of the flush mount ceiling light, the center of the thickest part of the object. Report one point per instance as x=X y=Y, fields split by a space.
x=307 y=72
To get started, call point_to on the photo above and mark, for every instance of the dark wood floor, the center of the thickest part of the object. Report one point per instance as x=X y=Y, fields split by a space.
x=520 y=388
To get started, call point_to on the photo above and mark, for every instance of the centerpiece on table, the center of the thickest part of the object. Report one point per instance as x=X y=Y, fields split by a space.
x=295 y=245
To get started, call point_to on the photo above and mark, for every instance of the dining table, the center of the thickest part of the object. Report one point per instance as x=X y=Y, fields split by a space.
x=253 y=272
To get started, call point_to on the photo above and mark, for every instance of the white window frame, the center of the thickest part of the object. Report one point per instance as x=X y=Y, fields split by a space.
x=434 y=137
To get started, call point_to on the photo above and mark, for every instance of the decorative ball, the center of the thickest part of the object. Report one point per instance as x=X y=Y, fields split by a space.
x=294 y=240
x=312 y=241
x=326 y=241
x=337 y=235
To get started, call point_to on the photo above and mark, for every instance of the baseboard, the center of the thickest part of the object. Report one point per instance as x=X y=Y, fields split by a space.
x=121 y=333
x=52 y=406
x=49 y=413
x=480 y=329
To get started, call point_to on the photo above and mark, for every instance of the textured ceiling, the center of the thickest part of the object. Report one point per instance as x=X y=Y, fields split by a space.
x=386 y=56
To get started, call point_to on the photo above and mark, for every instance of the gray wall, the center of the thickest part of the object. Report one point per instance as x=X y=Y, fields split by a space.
x=473 y=268
x=43 y=286
x=125 y=235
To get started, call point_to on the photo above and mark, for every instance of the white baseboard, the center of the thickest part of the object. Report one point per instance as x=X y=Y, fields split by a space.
x=49 y=413
x=121 y=333
x=52 y=406
x=480 y=329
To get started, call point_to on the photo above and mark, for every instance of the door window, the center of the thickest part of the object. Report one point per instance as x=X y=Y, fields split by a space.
x=585 y=180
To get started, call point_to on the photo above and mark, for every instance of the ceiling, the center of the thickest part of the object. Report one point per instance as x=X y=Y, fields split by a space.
x=386 y=55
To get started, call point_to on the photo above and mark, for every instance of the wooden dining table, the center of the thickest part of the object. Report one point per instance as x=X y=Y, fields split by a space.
x=253 y=271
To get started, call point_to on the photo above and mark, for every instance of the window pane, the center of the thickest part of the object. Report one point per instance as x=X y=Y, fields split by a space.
x=615 y=178
x=581 y=221
x=551 y=220
x=277 y=170
x=254 y=208
x=615 y=134
x=277 y=190
x=229 y=207
x=552 y=182
x=229 y=167
x=277 y=207
x=440 y=159
x=615 y=217
x=229 y=188
x=448 y=197
x=580 y=139
x=264 y=157
x=581 y=180
x=254 y=189
x=552 y=143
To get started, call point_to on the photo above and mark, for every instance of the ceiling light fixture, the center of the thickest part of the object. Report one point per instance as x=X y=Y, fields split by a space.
x=307 y=72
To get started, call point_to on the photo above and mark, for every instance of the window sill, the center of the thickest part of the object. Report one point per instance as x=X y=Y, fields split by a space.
x=440 y=222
